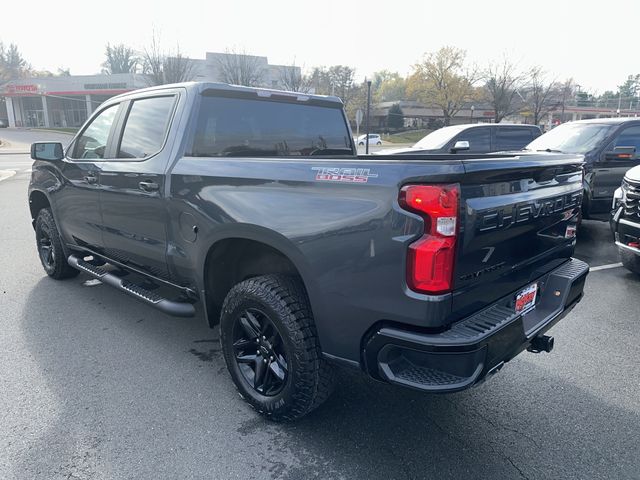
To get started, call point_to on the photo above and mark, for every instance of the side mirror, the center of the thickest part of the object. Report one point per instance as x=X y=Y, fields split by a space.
x=460 y=145
x=620 y=153
x=51 y=151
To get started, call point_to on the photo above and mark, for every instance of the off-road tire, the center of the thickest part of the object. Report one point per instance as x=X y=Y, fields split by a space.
x=310 y=378
x=57 y=267
x=630 y=260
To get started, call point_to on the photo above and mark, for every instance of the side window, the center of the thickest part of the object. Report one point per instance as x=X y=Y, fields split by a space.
x=629 y=137
x=512 y=138
x=93 y=141
x=479 y=139
x=253 y=127
x=146 y=127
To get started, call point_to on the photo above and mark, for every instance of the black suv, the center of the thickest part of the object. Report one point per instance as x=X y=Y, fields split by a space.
x=474 y=138
x=625 y=220
x=610 y=147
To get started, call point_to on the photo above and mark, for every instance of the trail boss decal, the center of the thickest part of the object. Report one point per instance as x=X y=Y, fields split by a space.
x=349 y=175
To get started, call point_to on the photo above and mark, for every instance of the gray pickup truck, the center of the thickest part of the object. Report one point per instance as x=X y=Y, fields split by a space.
x=252 y=207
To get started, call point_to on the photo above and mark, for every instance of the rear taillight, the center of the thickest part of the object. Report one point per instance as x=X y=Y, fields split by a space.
x=431 y=258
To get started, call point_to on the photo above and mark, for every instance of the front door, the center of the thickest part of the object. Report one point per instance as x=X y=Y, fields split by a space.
x=133 y=183
x=608 y=173
x=78 y=196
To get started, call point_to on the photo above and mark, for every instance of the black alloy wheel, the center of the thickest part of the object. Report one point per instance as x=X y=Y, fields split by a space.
x=45 y=247
x=50 y=250
x=259 y=352
x=270 y=345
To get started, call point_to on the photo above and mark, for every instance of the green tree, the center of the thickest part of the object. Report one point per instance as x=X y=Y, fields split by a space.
x=12 y=64
x=442 y=80
x=628 y=91
x=395 y=118
x=120 y=59
x=338 y=80
x=389 y=87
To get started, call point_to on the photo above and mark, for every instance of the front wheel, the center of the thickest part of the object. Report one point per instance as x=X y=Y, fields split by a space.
x=270 y=345
x=630 y=260
x=50 y=249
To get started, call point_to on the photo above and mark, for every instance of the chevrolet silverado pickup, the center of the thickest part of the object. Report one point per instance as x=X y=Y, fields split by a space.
x=625 y=220
x=251 y=208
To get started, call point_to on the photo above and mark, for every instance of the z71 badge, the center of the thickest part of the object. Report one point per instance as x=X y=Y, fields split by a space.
x=350 y=175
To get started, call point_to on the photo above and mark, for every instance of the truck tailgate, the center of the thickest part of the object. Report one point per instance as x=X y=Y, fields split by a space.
x=517 y=223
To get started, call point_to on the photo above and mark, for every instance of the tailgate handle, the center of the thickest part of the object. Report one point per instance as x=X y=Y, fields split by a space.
x=148 y=186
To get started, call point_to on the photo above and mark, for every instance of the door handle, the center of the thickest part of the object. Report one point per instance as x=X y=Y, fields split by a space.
x=91 y=178
x=148 y=186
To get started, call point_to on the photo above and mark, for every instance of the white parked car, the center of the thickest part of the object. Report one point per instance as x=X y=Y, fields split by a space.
x=374 y=139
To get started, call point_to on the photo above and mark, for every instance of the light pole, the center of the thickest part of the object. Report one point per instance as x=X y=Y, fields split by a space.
x=473 y=109
x=367 y=117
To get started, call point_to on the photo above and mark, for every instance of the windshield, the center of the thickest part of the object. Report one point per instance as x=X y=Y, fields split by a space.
x=439 y=138
x=572 y=137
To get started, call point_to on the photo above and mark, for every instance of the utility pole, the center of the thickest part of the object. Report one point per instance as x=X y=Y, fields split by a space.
x=367 y=118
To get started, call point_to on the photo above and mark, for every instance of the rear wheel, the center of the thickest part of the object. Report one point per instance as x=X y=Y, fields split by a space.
x=50 y=249
x=630 y=260
x=270 y=345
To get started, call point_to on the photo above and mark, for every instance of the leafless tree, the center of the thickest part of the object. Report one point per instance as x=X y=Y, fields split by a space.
x=153 y=60
x=239 y=68
x=161 y=67
x=542 y=95
x=566 y=93
x=501 y=88
x=292 y=79
x=177 y=68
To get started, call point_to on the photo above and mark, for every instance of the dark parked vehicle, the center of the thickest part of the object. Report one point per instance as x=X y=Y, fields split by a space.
x=4 y=123
x=625 y=220
x=429 y=271
x=610 y=147
x=474 y=138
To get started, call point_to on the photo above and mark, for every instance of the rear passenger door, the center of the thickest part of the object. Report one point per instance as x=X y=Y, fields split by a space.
x=132 y=184
x=512 y=138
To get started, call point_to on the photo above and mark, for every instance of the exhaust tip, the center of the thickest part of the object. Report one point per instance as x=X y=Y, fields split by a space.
x=541 y=343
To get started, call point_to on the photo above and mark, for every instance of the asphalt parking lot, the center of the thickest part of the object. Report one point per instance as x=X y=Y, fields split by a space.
x=94 y=385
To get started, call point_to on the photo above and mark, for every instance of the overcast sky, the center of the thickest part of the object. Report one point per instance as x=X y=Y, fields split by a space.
x=592 y=41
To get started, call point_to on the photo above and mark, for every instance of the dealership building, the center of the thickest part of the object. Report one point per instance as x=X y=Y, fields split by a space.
x=67 y=101
x=64 y=101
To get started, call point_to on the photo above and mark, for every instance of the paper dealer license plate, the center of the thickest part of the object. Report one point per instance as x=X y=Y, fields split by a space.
x=526 y=299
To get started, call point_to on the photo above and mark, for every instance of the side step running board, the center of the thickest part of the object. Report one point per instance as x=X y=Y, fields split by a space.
x=170 y=307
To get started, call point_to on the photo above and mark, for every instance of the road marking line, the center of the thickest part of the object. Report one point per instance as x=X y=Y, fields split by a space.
x=4 y=174
x=606 y=267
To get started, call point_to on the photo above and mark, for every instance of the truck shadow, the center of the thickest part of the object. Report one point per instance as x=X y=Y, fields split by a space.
x=135 y=387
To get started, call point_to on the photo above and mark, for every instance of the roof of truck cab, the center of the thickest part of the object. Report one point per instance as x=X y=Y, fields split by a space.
x=203 y=87
x=612 y=121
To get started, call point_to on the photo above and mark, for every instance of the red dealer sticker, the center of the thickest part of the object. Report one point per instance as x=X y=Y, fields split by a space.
x=526 y=299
